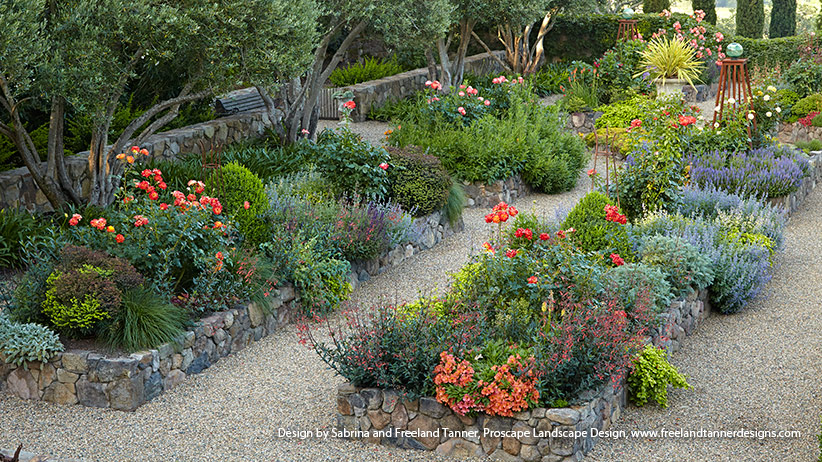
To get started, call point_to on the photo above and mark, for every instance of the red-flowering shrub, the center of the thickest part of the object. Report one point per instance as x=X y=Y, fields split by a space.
x=391 y=348
x=584 y=345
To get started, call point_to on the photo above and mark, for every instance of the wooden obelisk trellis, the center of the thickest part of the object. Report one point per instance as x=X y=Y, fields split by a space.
x=607 y=150
x=734 y=83
x=627 y=29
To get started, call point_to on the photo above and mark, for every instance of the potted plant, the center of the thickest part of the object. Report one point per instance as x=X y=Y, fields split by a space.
x=672 y=64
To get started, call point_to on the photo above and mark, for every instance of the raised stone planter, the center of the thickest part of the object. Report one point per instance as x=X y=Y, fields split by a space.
x=792 y=201
x=556 y=434
x=582 y=122
x=376 y=93
x=792 y=133
x=488 y=195
x=428 y=231
x=127 y=382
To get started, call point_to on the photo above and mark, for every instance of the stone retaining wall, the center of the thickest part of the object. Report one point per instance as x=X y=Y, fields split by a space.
x=582 y=122
x=488 y=195
x=18 y=189
x=376 y=93
x=791 y=133
x=553 y=434
x=126 y=382
x=792 y=201
x=428 y=231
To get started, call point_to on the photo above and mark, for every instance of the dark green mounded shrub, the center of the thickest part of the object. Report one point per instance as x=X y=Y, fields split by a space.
x=655 y=6
x=752 y=22
x=144 y=321
x=593 y=232
x=684 y=265
x=419 y=182
x=241 y=186
x=21 y=343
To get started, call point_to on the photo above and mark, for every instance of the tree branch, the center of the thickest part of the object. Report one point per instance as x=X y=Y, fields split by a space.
x=151 y=112
x=491 y=53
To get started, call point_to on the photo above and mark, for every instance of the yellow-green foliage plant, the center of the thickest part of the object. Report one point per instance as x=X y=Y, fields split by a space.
x=651 y=375
x=670 y=59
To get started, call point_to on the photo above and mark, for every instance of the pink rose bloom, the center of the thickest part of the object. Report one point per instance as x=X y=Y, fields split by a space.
x=384 y=166
x=461 y=110
x=486 y=102
x=462 y=93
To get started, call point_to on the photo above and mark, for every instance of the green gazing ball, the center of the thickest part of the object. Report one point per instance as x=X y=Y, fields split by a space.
x=627 y=13
x=734 y=50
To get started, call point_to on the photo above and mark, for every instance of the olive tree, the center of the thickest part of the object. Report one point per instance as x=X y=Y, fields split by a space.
x=342 y=22
x=85 y=54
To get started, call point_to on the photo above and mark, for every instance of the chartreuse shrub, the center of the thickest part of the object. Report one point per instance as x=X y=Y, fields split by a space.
x=651 y=375
x=143 y=321
x=86 y=289
x=244 y=198
x=806 y=105
x=596 y=229
x=419 y=183
x=685 y=266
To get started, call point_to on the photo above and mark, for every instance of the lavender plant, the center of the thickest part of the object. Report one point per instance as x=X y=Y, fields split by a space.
x=765 y=172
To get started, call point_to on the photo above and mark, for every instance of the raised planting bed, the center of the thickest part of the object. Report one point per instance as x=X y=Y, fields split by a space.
x=127 y=382
x=552 y=434
x=95 y=379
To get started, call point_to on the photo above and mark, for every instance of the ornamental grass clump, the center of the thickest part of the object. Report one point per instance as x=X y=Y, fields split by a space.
x=667 y=58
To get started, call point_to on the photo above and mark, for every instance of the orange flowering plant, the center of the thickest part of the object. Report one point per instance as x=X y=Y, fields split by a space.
x=498 y=379
x=180 y=240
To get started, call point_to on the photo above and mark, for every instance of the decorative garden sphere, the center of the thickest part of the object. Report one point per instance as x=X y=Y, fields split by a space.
x=627 y=13
x=734 y=50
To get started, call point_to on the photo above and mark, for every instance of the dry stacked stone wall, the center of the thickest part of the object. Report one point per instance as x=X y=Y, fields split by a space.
x=126 y=382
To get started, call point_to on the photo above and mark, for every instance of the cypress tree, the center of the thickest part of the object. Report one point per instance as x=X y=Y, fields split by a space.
x=708 y=6
x=783 y=19
x=655 y=6
x=750 y=18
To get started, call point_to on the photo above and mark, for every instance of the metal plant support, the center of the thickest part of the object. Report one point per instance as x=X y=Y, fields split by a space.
x=607 y=150
x=211 y=158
